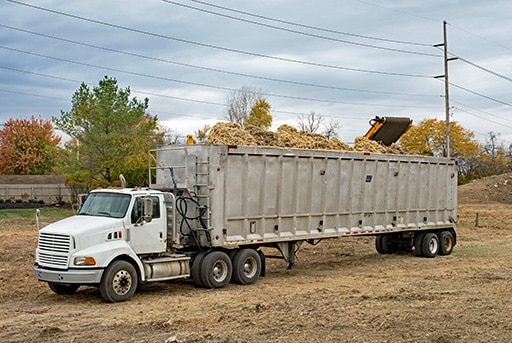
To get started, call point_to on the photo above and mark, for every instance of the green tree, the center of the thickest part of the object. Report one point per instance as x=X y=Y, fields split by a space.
x=260 y=115
x=28 y=147
x=111 y=135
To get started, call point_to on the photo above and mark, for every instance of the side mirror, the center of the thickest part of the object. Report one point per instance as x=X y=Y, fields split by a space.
x=148 y=209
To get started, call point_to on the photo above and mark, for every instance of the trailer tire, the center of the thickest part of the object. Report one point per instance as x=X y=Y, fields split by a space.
x=246 y=266
x=216 y=270
x=430 y=245
x=446 y=243
x=383 y=244
x=63 y=289
x=418 y=244
x=195 y=270
x=119 y=282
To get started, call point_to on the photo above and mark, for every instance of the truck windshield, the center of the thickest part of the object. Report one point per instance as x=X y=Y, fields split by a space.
x=105 y=205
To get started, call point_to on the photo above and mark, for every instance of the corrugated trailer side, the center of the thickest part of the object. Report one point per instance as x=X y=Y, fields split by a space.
x=267 y=196
x=276 y=194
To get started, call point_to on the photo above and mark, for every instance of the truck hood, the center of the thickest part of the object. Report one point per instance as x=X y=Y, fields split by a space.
x=80 y=224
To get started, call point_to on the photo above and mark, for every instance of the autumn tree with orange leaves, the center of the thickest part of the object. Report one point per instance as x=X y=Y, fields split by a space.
x=28 y=147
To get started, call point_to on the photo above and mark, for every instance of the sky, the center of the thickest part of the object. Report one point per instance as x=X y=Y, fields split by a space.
x=346 y=61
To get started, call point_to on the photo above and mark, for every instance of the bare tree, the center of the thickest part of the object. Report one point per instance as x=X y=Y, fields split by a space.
x=331 y=129
x=240 y=102
x=314 y=122
x=170 y=136
x=310 y=123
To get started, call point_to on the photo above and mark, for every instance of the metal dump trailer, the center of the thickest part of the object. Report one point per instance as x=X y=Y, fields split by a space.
x=256 y=196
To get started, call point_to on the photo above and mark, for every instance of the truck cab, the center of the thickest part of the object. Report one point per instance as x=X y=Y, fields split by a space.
x=110 y=243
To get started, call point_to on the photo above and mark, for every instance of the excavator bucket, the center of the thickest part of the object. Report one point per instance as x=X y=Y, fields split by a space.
x=388 y=130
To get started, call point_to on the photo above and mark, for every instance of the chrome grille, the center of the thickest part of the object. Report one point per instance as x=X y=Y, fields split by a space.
x=54 y=250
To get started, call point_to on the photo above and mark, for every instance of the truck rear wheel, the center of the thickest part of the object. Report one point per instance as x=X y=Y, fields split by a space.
x=430 y=245
x=418 y=244
x=63 y=289
x=195 y=270
x=119 y=282
x=446 y=242
x=216 y=269
x=246 y=266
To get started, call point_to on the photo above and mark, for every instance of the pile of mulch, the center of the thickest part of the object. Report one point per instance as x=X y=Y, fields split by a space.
x=287 y=136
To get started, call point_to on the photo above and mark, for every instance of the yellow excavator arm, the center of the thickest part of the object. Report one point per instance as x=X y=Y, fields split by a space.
x=388 y=130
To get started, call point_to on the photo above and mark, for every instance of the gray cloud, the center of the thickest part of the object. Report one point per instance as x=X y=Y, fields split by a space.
x=147 y=44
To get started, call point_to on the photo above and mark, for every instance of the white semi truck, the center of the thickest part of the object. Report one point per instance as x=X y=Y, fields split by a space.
x=210 y=208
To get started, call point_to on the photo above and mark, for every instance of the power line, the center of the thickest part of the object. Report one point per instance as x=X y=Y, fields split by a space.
x=312 y=27
x=487 y=119
x=31 y=94
x=207 y=68
x=282 y=59
x=484 y=69
x=480 y=67
x=300 y=32
x=397 y=11
x=189 y=82
x=480 y=95
x=480 y=37
x=481 y=111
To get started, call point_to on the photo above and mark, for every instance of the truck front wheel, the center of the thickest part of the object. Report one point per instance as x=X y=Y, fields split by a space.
x=216 y=270
x=246 y=266
x=119 y=282
x=63 y=289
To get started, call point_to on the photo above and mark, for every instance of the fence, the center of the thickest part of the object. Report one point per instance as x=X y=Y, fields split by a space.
x=47 y=188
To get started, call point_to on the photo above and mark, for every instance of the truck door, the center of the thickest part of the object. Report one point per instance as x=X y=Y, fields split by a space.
x=148 y=237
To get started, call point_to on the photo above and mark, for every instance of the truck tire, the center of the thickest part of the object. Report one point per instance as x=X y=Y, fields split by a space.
x=418 y=243
x=383 y=244
x=63 y=289
x=195 y=270
x=216 y=270
x=119 y=282
x=446 y=243
x=430 y=245
x=246 y=266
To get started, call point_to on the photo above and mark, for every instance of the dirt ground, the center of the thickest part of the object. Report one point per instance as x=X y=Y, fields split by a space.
x=341 y=290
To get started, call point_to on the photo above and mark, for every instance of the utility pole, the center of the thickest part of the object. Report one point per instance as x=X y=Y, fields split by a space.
x=446 y=83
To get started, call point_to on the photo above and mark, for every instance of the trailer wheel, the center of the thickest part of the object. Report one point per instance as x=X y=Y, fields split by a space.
x=246 y=266
x=418 y=243
x=216 y=270
x=63 y=289
x=119 y=282
x=195 y=271
x=446 y=243
x=430 y=245
x=383 y=244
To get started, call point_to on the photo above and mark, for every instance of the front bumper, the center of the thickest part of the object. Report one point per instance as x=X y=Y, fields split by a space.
x=81 y=276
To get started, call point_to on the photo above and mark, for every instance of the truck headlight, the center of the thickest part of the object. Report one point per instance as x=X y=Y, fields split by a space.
x=84 y=261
